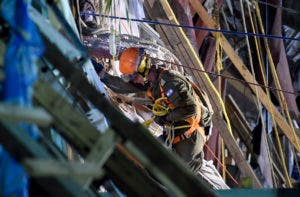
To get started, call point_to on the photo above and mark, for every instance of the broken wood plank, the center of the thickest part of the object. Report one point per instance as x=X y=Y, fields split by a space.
x=67 y=118
x=20 y=145
x=239 y=65
x=100 y=152
x=89 y=150
x=54 y=168
x=239 y=122
x=124 y=173
x=25 y=114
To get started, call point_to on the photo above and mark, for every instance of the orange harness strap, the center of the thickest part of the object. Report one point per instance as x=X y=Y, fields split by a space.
x=194 y=126
x=149 y=94
x=194 y=121
x=167 y=102
x=171 y=105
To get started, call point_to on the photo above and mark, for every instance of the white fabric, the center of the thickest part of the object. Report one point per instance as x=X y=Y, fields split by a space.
x=134 y=10
x=211 y=175
x=94 y=115
x=93 y=78
x=97 y=119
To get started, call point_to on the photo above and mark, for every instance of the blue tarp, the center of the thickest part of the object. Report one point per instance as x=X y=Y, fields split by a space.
x=24 y=47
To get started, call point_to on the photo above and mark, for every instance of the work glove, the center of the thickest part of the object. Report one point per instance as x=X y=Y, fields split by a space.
x=97 y=66
x=160 y=120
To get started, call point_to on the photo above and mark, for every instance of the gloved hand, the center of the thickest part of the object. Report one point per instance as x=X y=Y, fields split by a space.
x=160 y=120
x=97 y=66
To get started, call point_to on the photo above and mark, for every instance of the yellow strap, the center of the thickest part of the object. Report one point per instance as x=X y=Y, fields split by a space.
x=147 y=123
x=158 y=109
x=258 y=51
x=196 y=56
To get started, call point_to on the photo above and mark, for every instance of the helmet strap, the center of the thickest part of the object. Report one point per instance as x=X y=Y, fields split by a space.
x=144 y=71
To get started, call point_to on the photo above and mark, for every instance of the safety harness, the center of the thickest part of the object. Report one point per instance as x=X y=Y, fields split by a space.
x=160 y=109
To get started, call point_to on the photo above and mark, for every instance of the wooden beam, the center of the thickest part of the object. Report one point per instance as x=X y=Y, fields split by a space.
x=70 y=122
x=75 y=126
x=25 y=114
x=125 y=173
x=54 y=168
x=202 y=80
x=118 y=168
x=239 y=65
x=101 y=151
x=20 y=145
x=239 y=122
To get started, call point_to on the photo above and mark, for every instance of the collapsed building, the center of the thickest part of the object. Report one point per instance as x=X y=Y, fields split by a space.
x=71 y=135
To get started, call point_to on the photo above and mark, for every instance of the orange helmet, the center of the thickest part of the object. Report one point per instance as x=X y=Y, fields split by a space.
x=130 y=60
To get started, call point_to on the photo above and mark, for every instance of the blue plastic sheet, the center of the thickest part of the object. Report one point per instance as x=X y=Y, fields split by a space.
x=13 y=178
x=24 y=47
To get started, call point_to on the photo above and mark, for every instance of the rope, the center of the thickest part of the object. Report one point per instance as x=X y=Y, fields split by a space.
x=219 y=162
x=228 y=77
x=296 y=160
x=259 y=105
x=170 y=135
x=277 y=82
x=200 y=64
x=219 y=68
x=158 y=109
x=278 y=85
x=195 y=28
x=147 y=123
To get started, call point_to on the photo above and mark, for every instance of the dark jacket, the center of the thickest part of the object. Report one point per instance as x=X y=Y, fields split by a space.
x=179 y=92
x=177 y=88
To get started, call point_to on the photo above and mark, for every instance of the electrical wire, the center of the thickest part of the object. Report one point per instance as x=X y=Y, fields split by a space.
x=192 y=27
x=221 y=164
x=228 y=77
x=208 y=29
x=292 y=11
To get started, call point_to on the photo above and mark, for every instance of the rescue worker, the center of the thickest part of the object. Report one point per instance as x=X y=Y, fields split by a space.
x=186 y=114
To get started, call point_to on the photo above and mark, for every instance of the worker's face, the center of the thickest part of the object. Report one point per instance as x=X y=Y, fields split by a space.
x=138 y=79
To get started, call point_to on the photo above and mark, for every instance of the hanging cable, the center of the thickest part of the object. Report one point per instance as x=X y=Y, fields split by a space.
x=200 y=65
x=278 y=85
x=296 y=160
x=259 y=105
x=292 y=11
x=219 y=68
x=277 y=82
x=227 y=77
x=193 y=27
x=220 y=163
x=268 y=93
